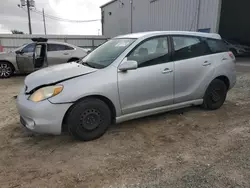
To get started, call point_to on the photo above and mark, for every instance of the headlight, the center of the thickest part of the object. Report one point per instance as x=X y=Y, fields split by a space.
x=45 y=93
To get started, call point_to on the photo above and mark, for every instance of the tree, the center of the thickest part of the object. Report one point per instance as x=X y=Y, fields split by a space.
x=16 y=32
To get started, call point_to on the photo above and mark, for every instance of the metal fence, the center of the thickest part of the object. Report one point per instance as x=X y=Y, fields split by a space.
x=11 y=41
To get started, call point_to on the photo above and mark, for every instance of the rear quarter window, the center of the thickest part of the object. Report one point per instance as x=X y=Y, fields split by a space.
x=187 y=47
x=217 y=46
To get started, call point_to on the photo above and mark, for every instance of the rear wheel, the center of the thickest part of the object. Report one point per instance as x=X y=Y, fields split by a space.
x=215 y=95
x=6 y=70
x=89 y=119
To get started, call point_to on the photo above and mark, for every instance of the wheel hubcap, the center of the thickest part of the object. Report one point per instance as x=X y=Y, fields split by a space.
x=5 y=70
x=90 y=119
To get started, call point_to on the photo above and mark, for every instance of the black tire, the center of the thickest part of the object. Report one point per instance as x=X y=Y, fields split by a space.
x=234 y=52
x=89 y=119
x=6 y=69
x=215 y=95
x=73 y=60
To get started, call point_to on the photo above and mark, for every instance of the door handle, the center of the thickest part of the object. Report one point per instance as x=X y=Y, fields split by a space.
x=224 y=59
x=167 y=70
x=65 y=53
x=206 y=63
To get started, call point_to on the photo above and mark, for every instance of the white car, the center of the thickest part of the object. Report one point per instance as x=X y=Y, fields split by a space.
x=38 y=54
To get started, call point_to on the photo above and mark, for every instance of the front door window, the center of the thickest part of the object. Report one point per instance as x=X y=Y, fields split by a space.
x=29 y=48
x=151 y=52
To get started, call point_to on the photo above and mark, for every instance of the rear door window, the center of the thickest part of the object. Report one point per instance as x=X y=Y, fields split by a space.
x=58 y=47
x=186 y=47
x=217 y=46
x=68 y=47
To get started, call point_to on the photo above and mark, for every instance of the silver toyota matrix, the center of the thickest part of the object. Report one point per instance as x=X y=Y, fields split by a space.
x=128 y=77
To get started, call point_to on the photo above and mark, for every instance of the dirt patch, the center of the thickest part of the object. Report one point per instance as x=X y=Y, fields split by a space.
x=184 y=148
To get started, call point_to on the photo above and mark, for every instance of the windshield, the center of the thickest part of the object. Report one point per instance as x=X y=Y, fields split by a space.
x=105 y=54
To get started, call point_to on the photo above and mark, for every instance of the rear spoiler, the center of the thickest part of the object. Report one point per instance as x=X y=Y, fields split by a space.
x=40 y=39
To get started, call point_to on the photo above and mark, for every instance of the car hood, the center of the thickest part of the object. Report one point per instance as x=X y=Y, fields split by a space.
x=55 y=74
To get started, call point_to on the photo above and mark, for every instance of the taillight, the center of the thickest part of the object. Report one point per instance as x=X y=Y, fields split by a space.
x=231 y=55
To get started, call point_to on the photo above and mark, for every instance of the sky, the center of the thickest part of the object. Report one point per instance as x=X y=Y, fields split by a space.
x=13 y=17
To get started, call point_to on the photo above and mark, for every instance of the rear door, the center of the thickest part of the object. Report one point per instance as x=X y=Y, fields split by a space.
x=25 y=59
x=59 y=53
x=194 y=66
x=219 y=50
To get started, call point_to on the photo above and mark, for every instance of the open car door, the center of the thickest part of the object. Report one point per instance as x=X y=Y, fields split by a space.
x=33 y=56
x=25 y=58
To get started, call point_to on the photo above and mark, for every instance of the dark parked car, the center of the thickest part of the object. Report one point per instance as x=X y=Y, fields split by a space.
x=237 y=48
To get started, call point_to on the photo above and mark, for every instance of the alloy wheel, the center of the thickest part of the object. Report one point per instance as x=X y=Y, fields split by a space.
x=5 y=70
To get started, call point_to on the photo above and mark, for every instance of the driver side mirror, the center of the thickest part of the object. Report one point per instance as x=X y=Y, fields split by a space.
x=19 y=52
x=128 y=65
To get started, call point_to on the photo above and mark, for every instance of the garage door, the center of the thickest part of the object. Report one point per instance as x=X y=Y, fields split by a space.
x=235 y=20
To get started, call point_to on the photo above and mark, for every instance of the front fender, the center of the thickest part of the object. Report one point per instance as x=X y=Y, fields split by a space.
x=101 y=83
x=11 y=60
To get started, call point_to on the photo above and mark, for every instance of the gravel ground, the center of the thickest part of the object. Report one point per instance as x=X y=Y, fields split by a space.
x=187 y=148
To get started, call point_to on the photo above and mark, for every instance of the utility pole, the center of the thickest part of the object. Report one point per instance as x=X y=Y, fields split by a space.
x=198 y=14
x=131 y=16
x=29 y=4
x=28 y=9
x=44 y=23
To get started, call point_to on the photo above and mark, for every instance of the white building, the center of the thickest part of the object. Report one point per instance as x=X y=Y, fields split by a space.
x=230 y=18
x=10 y=42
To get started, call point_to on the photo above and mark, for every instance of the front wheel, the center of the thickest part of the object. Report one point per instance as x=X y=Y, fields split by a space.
x=89 y=119
x=6 y=70
x=215 y=95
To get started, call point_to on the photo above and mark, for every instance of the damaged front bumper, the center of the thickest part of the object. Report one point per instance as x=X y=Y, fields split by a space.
x=41 y=117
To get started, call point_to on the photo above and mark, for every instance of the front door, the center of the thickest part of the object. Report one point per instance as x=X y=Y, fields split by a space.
x=151 y=85
x=194 y=66
x=25 y=58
